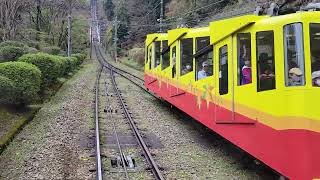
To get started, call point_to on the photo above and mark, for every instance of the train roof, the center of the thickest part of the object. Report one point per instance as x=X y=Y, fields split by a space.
x=156 y=36
x=230 y=26
x=176 y=34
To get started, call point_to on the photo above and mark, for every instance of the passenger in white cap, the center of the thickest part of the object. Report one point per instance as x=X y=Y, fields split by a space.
x=204 y=72
x=295 y=75
x=316 y=78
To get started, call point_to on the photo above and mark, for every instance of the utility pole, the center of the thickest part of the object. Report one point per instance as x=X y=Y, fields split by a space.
x=69 y=35
x=161 y=15
x=116 y=37
x=91 y=41
x=69 y=30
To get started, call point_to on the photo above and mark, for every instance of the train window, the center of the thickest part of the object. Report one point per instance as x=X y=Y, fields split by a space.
x=293 y=55
x=204 y=61
x=157 y=54
x=174 y=59
x=244 y=59
x=165 y=55
x=265 y=64
x=202 y=42
x=223 y=70
x=150 y=57
x=315 y=54
x=186 y=56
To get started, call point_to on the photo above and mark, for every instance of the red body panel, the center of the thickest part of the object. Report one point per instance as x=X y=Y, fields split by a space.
x=294 y=153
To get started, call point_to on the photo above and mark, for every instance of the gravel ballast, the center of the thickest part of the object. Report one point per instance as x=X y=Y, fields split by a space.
x=57 y=144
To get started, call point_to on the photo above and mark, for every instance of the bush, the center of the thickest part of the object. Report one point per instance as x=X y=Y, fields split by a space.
x=72 y=64
x=6 y=90
x=11 y=53
x=54 y=50
x=137 y=54
x=26 y=79
x=12 y=43
x=63 y=65
x=80 y=58
x=49 y=66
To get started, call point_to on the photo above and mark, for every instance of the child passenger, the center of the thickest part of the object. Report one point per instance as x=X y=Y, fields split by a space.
x=246 y=73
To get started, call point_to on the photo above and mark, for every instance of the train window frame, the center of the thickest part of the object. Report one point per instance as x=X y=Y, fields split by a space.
x=242 y=67
x=157 y=54
x=269 y=76
x=223 y=86
x=165 y=52
x=315 y=66
x=184 y=62
x=291 y=74
x=201 y=52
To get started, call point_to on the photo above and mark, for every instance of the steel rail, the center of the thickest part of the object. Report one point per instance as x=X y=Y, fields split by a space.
x=119 y=69
x=148 y=156
x=97 y=137
x=114 y=128
x=106 y=64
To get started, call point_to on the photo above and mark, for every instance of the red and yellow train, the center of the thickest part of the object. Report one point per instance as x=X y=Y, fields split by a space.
x=255 y=80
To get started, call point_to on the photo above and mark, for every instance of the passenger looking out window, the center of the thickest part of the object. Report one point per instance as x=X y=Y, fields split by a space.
x=316 y=79
x=246 y=72
x=204 y=72
x=244 y=59
x=294 y=77
x=315 y=53
x=265 y=64
x=173 y=62
x=204 y=58
x=294 y=55
x=157 y=54
x=150 y=57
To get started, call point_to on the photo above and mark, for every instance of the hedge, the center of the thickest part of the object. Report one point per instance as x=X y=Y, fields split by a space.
x=48 y=65
x=12 y=43
x=53 y=50
x=80 y=58
x=6 y=90
x=11 y=53
x=26 y=79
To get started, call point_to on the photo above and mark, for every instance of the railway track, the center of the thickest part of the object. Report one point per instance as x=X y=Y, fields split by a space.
x=134 y=79
x=109 y=69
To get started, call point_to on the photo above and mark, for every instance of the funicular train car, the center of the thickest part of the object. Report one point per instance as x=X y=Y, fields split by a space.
x=255 y=80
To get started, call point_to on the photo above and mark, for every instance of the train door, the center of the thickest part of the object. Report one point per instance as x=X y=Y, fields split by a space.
x=175 y=60
x=224 y=100
x=244 y=86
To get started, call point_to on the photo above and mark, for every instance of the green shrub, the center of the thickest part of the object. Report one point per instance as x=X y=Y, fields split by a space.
x=80 y=58
x=6 y=90
x=63 y=64
x=73 y=63
x=54 y=50
x=12 y=43
x=26 y=80
x=48 y=65
x=11 y=53
x=137 y=54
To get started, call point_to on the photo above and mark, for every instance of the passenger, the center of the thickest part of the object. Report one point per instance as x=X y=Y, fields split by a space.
x=316 y=78
x=315 y=64
x=174 y=65
x=266 y=76
x=294 y=77
x=246 y=72
x=187 y=69
x=204 y=72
